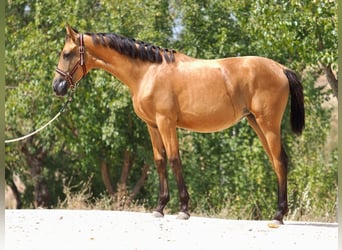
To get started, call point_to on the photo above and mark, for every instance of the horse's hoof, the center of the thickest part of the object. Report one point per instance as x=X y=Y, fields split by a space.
x=157 y=214
x=274 y=224
x=183 y=216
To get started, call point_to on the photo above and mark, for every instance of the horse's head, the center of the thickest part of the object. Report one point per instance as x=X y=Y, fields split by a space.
x=71 y=66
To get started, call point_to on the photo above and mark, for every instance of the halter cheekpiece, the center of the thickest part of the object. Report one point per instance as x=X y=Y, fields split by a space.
x=68 y=75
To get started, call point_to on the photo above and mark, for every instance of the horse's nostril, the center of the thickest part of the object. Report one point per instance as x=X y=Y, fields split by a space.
x=60 y=87
x=55 y=85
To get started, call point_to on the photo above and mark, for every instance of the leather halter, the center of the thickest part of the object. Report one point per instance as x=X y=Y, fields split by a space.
x=68 y=75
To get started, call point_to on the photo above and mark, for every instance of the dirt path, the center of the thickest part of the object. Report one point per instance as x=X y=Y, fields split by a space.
x=92 y=229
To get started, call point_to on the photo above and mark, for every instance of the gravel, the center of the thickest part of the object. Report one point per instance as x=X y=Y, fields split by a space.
x=94 y=229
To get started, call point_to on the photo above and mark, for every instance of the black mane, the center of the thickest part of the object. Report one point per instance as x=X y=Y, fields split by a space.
x=133 y=48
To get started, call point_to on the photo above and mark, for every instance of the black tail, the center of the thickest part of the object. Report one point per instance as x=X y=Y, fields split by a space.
x=297 y=102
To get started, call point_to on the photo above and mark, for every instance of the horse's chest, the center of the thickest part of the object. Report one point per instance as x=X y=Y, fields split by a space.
x=144 y=109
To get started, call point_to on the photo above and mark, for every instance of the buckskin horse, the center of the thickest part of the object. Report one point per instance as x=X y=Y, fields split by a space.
x=172 y=90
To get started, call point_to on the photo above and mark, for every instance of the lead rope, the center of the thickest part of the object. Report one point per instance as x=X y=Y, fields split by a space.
x=44 y=126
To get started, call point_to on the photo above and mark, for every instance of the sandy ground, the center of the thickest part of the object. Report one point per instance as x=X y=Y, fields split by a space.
x=93 y=229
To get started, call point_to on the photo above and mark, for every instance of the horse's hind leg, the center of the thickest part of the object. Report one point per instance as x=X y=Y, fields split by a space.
x=252 y=122
x=160 y=161
x=269 y=135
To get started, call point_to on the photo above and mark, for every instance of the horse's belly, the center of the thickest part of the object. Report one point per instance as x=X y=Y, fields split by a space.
x=210 y=120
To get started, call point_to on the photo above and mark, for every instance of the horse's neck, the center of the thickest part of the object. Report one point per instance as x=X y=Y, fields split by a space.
x=127 y=70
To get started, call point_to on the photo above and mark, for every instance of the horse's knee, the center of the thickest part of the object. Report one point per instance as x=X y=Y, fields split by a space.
x=160 y=165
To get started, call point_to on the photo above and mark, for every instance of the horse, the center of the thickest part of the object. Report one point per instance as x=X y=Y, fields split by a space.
x=171 y=90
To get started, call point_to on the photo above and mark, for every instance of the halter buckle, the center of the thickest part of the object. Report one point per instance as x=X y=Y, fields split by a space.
x=82 y=49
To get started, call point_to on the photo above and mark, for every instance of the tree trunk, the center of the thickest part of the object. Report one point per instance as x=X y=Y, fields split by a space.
x=332 y=80
x=140 y=183
x=122 y=192
x=122 y=185
x=34 y=161
x=106 y=177
x=16 y=193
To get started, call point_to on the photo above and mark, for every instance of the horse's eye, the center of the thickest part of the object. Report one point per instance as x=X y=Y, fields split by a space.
x=66 y=55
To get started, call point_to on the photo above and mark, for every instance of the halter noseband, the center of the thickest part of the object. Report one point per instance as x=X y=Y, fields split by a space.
x=68 y=75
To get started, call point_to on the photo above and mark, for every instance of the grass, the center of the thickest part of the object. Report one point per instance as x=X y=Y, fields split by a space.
x=83 y=199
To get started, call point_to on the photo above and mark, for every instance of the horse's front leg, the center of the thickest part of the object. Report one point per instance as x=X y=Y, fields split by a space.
x=183 y=193
x=160 y=161
x=167 y=129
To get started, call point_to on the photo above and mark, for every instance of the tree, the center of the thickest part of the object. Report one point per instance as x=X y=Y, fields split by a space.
x=304 y=32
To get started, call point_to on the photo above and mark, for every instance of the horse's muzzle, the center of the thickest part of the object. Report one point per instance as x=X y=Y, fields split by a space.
x=60 y=87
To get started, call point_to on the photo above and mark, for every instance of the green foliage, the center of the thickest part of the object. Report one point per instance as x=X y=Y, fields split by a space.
x=226 y=172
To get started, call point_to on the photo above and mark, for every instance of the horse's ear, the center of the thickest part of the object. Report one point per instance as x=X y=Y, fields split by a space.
x=71 y=33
